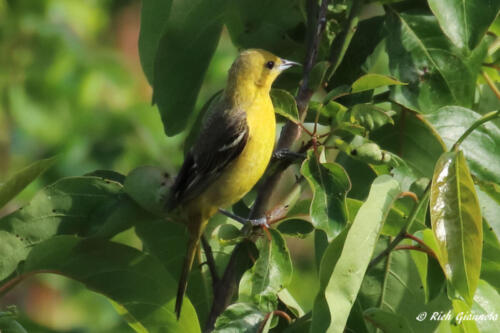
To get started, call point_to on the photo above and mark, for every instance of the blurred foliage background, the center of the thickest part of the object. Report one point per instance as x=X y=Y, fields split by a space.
x=71 y=85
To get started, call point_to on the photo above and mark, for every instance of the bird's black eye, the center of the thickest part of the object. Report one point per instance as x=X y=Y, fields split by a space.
x=270 y=64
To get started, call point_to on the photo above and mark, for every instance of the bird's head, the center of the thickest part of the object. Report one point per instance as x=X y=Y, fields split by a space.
x=258 y=68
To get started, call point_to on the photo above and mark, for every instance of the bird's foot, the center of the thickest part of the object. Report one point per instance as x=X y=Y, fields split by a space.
x=287 y=154
x=260 y=222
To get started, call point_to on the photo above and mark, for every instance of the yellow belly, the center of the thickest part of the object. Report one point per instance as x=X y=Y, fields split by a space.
x=242 y=174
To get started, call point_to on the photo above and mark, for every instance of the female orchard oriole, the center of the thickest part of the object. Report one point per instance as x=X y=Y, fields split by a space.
x=232 y=151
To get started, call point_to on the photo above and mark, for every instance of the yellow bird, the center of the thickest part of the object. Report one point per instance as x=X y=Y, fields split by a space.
x=232 y=151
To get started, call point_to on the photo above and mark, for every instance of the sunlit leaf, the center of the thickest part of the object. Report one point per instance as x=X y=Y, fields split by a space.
x=373 y=81
x=369 y=116
x=456 y=222
x=239 y=317
x=345 y=262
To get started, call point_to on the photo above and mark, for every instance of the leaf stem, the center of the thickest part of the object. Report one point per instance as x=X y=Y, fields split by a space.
x=487 y=117
x=404 y=231
x=491 y=84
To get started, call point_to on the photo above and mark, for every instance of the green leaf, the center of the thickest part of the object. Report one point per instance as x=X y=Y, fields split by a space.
x=167 y=241
x=487 y=304
x=387 y=321
x=330 y=184
x=149 y=186
x=154 y=19
x=18 y=181
x=271 y=273
x=437 y=72
x=10 y=325
x=285 y=105
x=296 y=228
x=239 y=317
x=369 y=116
x=135 y=281
x=490 y=266
x=456 y=222
x=345 y=262
x=394 y=285
x=261 y=24
x=369 y=34
x=414 y=140
x=107 y=175
x=480 y=147
x=465 y=22
x=85 y=206
x=318 y=74
x=228 y=234
x=183 y=56
x=373 y=81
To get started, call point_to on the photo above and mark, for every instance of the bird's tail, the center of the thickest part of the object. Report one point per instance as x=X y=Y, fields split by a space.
x=192 y=248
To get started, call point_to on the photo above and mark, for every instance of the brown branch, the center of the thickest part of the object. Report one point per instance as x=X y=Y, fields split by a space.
x=289 y=134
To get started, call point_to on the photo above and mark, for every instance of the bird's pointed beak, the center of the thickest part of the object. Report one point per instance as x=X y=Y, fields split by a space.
x=287 y=64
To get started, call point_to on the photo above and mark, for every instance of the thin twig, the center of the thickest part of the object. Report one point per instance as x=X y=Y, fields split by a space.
x=491 y=84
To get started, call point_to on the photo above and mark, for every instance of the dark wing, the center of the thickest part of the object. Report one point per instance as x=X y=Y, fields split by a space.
x=222 y=139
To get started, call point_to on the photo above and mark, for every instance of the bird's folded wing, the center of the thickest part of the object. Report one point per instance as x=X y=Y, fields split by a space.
x=221 y=140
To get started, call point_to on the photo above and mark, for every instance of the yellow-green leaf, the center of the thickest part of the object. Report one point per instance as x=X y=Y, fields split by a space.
x=456 y=222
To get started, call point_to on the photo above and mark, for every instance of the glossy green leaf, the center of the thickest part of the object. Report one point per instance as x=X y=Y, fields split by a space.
x=290 y=302
x=18 y=181
x=184 y=53
x=132 y=279
x=296 y=228
x=436 y=71
x=240 y=317
x=387 y=321
x=394 y=285
x=456 y=222
x=285 y=105
x=345 y=262
x=271 y=273
x=465 y=21
x=330 y=184
x=85 y=206
x=154 y=19
x=369 y=116
x=149 y=186
x=480 y=147
x=487 y=307
x=490 y=266
x=228 y=234
x=413 y=139
x=373 y=81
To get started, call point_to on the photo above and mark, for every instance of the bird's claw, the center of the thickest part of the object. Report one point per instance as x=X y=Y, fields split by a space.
x=260 y=222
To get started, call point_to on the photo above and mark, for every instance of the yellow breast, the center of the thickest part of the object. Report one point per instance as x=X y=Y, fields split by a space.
x=243 y=173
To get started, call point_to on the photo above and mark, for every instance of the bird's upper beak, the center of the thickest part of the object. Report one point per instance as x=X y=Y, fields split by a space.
x=287 y=64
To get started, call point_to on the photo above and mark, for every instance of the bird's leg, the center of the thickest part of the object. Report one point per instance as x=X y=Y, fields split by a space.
x=287 y=154
x=260 y=222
